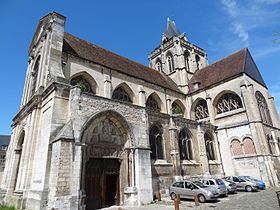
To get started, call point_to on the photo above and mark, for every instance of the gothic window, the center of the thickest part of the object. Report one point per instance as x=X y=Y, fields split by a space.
x=236 y=148
x=197 y=59
x=186 y=56
x=201 y=110
x=18 y=152
x=278 y=142
x=82 y=83
x=248 y=146
x=152 y=103
x=228 y=102
x=185 y=145
x=35 y=76
x=120 y=94
x=155 y=138
x=170 y=63
x=176 y=109
x=159 y=65
x=270 y=144
x=264 y=111
x=209 y=143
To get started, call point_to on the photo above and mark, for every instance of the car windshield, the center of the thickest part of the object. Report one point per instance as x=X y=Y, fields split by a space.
x=219 y=182
x=199 y=184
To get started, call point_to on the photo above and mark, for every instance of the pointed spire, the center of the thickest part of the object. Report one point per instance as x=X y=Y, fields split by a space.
x=171 y=29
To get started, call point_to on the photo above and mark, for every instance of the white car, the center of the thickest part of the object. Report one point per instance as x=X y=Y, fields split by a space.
x=242 y=184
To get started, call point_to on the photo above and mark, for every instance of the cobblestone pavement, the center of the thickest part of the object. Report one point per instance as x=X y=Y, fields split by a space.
x=262 y=200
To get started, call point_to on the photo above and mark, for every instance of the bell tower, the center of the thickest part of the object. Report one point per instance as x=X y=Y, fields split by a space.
x=177 y=57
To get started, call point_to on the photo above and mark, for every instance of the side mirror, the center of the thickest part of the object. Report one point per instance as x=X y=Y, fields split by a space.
x=192 y=187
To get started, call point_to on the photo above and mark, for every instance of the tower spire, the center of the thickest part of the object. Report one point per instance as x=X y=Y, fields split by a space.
x=171 y=29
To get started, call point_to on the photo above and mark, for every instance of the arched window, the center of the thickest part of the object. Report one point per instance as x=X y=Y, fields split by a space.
x=236 y=148
x=186 y=56
x=270 y=144
x=201 y=110
x=185 y=145
x=264 y=111
x=121 y=95
x=159 y=65
x=177 y=109
x=82 y=83
x=18 y=153
x=209 y=143
x=35 y=76
x=155 y=138
x=170 y=63
x=197 y=59
x=152 y=103
x=228 y=102
x=248 y=146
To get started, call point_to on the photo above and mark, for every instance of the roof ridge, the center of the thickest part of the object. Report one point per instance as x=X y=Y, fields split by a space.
x=134 y=66
x=150 y=69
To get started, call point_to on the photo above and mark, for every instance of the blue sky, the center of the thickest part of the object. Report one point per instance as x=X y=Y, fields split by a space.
x=134 y=28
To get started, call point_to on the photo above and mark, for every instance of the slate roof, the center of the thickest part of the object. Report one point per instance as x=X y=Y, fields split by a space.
x=171 y=29
x=230 y=67
x=88 y=51
x=4 y=139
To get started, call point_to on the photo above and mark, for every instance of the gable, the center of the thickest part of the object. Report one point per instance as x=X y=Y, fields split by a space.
x=252 y=70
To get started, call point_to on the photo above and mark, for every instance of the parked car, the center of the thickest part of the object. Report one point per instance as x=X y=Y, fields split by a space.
x=188 y=189
x=260 y=183
x=216 y=184
x=242 y=184
x=231 y=186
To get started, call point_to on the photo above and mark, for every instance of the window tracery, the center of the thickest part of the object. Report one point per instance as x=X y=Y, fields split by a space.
x=35 y=76
x=159 y=65
x=228 y=102
x=201 y=110
x=121 y=95
x=185 y=145
x=155 y=138
x=170 y=62
x=209 y=143
x=176 y=109
x=152 y=104
x=263 y=108
x=82 y=83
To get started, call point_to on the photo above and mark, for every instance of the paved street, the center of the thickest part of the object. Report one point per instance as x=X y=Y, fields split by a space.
x=262 y=200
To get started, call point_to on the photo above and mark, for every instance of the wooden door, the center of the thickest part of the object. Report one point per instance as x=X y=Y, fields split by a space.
x=102 y=183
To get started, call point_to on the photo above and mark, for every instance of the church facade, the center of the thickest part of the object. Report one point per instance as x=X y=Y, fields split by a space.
x=96 y=129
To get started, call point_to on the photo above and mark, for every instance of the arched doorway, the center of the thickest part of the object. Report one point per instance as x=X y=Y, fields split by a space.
x=107 y=162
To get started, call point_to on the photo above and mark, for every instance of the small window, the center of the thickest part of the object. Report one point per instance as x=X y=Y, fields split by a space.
x=188 y=185
x=235 y=179
x=82 y=83
x=121 y=95
x=201 y=110
x=176 y=109
x=263 y=108
x=151 y=103
x=211 y=182
x=170 y=63
x=210 y=151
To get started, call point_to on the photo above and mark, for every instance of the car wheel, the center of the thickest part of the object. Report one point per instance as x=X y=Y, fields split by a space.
x=248 y=188
x=201 y=198
x=173 y=196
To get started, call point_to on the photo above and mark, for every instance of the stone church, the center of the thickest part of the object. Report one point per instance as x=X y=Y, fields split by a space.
x=96 y=129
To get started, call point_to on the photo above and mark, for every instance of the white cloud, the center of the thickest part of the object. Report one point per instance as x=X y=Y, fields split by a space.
x=242 y=33
x=232 y=9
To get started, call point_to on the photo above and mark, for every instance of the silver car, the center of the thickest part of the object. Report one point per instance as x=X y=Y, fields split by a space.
x=188 y=189
x=231 y=186
x=242 y=184
x=216 y=184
